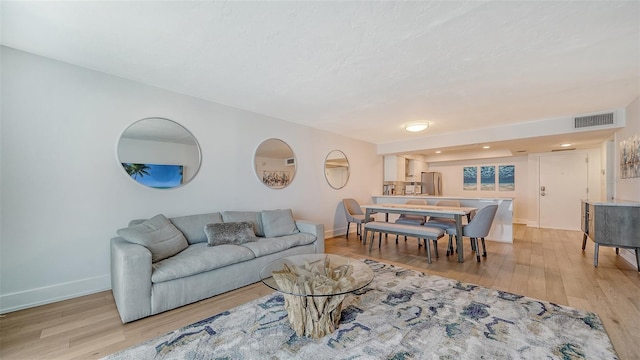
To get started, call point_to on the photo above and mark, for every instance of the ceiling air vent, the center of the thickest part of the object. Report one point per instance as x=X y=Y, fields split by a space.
x=593 y=120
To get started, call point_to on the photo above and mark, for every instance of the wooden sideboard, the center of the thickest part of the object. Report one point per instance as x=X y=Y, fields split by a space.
x=613 y=223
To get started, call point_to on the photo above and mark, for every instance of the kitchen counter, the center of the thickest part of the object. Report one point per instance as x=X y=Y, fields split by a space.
x=502 y=227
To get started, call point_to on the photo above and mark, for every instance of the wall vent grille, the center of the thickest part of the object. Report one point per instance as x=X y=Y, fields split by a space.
x=593 y=120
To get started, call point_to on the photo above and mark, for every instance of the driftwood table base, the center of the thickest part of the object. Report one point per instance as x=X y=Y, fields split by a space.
x=315 y=312
x=313 y=316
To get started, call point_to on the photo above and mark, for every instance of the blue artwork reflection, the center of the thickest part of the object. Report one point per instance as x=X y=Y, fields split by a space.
x=155 y=175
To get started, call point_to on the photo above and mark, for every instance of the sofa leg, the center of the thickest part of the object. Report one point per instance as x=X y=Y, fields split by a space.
x=347 y=235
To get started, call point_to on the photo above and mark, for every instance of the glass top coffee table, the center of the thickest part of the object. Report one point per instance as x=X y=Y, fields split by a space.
x=314 y=287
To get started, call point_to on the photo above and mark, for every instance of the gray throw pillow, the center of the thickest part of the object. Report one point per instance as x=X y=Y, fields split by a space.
x=278 y=223
x=250 y=216
x=229 y=233
x=158 y=235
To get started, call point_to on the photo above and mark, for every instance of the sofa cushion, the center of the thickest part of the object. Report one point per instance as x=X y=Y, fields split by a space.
x=253 y=217
x=192 y=226
x=266 y=246
x=229 y=233
x=199 y=258
x=158 y=235
x=278 y=223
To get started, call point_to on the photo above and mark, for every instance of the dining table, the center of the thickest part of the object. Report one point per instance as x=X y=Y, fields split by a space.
x=453 y=212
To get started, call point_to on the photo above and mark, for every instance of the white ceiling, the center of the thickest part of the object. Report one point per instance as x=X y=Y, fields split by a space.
x=360 y=68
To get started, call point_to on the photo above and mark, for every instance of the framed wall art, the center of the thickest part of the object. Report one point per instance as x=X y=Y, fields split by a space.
x=487 y=178
x=630 y=157
x=506 y=178
x=470 y=178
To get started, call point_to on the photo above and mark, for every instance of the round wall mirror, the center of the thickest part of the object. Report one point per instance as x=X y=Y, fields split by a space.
x=159 y=153
x=336 y=169
x=275 y=163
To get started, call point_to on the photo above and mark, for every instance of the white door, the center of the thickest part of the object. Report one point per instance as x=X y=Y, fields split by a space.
x=563 y=182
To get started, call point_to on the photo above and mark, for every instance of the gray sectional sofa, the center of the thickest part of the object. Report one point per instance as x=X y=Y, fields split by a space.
x=160 y=264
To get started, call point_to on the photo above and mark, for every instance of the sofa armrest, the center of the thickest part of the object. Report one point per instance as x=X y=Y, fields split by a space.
x=131 y=279
x=315 y=229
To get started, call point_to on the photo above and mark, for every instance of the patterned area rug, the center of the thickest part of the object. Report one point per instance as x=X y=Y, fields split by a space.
x=402 y=314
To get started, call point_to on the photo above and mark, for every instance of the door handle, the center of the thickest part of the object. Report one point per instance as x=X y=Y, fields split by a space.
x=542 y=194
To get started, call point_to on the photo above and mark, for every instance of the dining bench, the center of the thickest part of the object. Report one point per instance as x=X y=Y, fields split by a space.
x=425 y=233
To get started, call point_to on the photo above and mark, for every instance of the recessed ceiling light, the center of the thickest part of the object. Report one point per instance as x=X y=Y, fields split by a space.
x=438 y=152
x=486 y=147
x=565 y=145
x=416 y=126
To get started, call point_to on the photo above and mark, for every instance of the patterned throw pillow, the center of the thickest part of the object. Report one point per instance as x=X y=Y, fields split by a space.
x=229 y=233
x=251 y=216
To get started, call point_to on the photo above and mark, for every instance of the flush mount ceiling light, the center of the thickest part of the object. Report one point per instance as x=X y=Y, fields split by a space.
x=438 y=152
x=565 y=145
x=486 y=147
x=416 y=126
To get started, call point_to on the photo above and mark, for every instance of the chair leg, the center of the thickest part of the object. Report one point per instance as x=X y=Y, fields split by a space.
x=475 y=244
x=396 y=239
x=484 y=248
x=435 y=247
x=638 y=258
x=347 y=235
x=364 y=236
x=373 y=237
x=450 y=245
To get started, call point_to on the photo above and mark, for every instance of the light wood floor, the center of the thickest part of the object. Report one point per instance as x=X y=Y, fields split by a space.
x=544 y=264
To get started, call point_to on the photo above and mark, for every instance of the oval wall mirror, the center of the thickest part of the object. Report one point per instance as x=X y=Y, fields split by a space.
x=159 y=153
x=336 y=169
x=275 y=163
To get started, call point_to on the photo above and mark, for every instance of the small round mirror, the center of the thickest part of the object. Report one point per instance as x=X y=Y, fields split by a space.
x=159 y=153
x=275 y=163
x=336 y=169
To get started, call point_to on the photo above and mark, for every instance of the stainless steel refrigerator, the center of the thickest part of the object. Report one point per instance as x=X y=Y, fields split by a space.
x=431 y=183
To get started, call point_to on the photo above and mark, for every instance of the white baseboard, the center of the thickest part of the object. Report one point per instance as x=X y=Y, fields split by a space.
x=54 y=293
x=629 y=256
x=520 y=221
x=340 y=232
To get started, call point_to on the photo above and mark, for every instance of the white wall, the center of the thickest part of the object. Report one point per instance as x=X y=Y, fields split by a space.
x=64 y=195
x=452 y=182
x=628 y=189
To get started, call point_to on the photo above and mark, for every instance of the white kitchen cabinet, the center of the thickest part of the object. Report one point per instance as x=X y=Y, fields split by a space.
x=414 y=170
x=394 y=168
